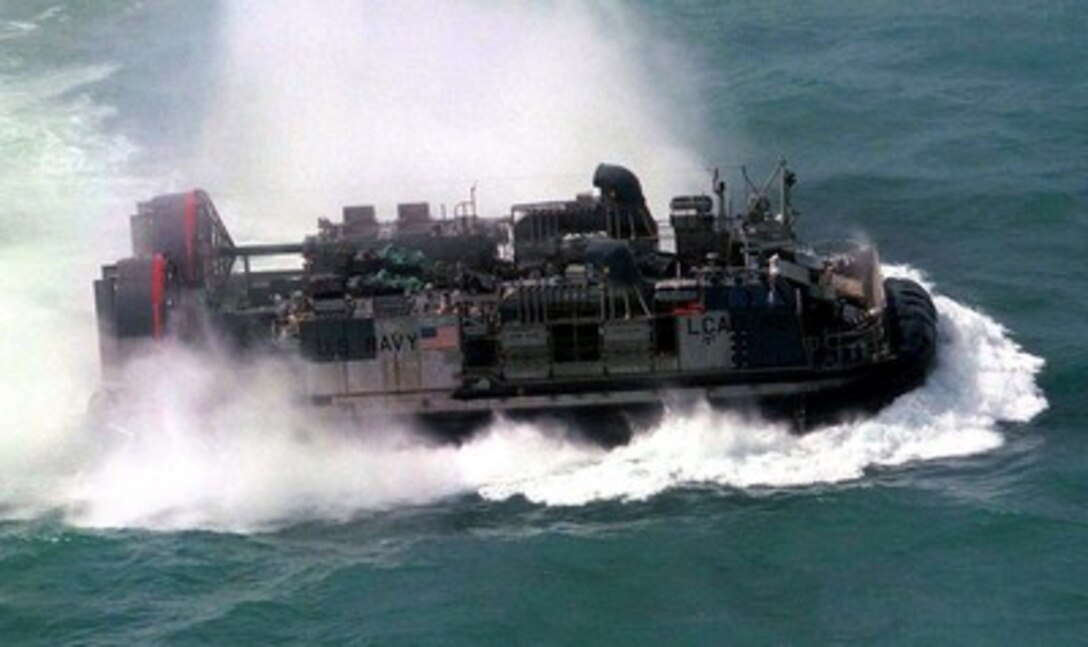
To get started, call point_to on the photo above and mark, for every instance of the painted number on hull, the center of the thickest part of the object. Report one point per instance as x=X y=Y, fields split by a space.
x=709 y=326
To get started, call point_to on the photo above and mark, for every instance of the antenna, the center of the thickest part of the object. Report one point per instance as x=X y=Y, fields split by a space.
x=751 y=186
x=719 y=190
x=789 y=178
x=466 y=209
x=771 y=177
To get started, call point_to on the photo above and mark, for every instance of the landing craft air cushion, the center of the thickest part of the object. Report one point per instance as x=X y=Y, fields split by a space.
x=568 y=307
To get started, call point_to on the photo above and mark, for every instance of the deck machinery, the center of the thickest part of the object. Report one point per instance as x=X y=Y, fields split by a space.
x=566 y=306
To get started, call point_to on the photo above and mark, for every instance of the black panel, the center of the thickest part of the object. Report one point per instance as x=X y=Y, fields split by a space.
x=576 y=342
x=758 y=296
x=132 y=300
x=665 y=334
x=480 y=353
x=767 y=338
x=104 y=307
x=716 y=297
x=331 y=340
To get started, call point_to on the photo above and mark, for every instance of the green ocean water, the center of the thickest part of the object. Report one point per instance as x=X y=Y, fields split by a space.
x=954 y=134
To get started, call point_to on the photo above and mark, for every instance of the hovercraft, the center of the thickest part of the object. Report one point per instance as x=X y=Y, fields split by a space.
x=571 y=307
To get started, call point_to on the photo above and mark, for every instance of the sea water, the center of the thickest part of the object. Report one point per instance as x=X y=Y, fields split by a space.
x=952 y=134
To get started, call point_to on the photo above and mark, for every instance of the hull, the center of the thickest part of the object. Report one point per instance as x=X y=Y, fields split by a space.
x=608 y=414
x=607 y=411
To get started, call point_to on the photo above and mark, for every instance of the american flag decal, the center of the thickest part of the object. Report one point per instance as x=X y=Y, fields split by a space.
x=440 y=337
